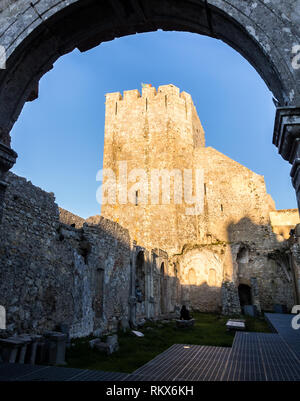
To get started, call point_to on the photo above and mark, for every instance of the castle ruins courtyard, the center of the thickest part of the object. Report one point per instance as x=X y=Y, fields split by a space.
x=180 y=223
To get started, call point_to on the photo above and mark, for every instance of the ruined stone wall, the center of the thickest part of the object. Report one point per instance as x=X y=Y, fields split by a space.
x=232 y=193
x=237 y=216
x=161 y=130
x=52 y=272
x=109 y=254
x=236 y=211
x=200 y=272
x=272 y=270
x=283 y=221
x=201 y=275
x=70 y=219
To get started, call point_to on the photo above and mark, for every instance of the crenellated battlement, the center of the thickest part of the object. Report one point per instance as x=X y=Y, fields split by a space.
x=148 y=92
x=128 y=111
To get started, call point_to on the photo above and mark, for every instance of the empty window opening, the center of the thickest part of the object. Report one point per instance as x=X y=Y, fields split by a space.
x=243 y=255
x=192 y=278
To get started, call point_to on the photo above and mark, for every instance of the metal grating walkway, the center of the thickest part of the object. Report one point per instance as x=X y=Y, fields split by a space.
x=261 y=357
x=253 y=357
x=185 y=363
x=22 y=372
x=282 y=324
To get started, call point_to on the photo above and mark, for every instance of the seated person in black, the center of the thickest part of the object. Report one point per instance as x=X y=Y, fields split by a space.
x=184 y=313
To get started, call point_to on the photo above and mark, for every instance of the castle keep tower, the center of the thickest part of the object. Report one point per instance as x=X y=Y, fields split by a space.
x=159 y=132
x=156 y=132
x=229 y=238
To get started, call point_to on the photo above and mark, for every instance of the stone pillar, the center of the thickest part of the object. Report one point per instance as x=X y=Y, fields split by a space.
x=230 y=299
x=7 y=160
x=255 y=294
x=10 y=349
x=287 y=139
x=151 y=293
x=147 y=284
x=32 y=347
x=23 y=351
x=56 y=347
x=132 y=309
x=295 y=262
x=132 y=298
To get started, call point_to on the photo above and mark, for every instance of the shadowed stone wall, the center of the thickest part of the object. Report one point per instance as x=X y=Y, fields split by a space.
x=51 y=272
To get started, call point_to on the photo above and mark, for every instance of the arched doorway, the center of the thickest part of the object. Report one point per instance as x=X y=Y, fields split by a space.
x=245 y=294
x=40 y=33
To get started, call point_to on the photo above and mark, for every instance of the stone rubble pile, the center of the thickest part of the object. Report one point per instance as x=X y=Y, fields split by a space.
x=111 y=345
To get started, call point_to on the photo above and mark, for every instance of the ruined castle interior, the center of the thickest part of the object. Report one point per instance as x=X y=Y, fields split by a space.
x=141 y=260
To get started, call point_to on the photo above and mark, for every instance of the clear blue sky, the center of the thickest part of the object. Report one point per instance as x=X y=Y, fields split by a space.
x=59 y=137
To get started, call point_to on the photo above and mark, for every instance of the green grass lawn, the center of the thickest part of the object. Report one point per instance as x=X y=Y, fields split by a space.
x=134 y=352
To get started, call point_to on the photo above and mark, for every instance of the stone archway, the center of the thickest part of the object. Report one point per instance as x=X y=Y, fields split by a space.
x=35 y=34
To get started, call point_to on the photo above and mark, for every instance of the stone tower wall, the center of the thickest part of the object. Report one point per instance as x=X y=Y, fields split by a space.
x=161 y=130
x=158 y=130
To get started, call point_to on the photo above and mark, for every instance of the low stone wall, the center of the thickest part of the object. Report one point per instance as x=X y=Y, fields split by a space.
x=53 y=273
x=70 y=219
